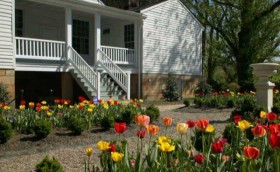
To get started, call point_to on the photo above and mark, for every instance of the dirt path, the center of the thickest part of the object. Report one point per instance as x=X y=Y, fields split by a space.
x=22 y=153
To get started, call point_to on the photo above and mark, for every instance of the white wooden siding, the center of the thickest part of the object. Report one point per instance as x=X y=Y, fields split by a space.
x=172 y=40
x=6 y=35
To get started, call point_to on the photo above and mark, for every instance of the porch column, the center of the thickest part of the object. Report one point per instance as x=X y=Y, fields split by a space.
x=68 y=29
x=138 y=47
x=97 y=35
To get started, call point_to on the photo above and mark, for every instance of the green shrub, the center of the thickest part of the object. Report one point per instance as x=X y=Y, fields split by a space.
x=186 y=102
x=76 y=124
x=6 y=130
x=234 y=87
x=171 y=93
x=276 y=107
x=4 y=94
x=203 y=88
x=128 y=115
x=107 y=121
x=49 y=165
x=152 y=112
x=42 y=128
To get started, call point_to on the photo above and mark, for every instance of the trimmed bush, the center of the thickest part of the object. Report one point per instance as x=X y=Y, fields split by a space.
x=128 y=116
x=153 y=112
x=276 y=108
x=77 y=125
x=171 y=93
x=42 y=128
x=4 y=95
x=49 y=165
x=203 y=88
x=6 y=130
x=186 y=102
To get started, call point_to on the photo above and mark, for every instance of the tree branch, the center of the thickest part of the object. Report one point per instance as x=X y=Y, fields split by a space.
x=268 y=11
x=226 y=4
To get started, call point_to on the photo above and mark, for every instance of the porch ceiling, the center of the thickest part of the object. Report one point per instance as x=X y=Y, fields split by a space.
x=93 y=8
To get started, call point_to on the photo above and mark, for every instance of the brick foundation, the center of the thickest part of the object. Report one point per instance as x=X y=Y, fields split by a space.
x=7 y=77
x=153 y=84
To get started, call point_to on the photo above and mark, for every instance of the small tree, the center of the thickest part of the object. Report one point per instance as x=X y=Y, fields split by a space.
x=171 y=93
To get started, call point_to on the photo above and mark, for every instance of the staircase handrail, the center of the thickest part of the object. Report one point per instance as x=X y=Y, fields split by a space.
x=120 y=77
x=86 y=71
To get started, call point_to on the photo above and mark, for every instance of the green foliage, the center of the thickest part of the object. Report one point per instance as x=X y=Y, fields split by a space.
x=186 y=102
x=6 y=130
x=170 y=93
x=42 y=128
x=276 y=107
x=49 y=165
x=202 y=140
x=4 y=95
x=234 y=87
x=107 y=121
x=153 y=112
x=203 y=88
x=76 y=124
x=128 y=115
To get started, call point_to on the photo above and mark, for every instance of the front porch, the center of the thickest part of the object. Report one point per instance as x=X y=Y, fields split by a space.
x=59 y=36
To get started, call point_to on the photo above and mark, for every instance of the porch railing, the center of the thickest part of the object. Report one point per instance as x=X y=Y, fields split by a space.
x=40 y=49
x=86 y=71
x=119 y=55
x=122 y=78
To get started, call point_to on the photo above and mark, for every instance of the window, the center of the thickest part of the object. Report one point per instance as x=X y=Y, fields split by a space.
x=19 y=22
x=129 y=36
x=81 y=36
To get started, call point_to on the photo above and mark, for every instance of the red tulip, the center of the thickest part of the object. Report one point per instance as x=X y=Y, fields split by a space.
x=113 y=148
x=251 y=152
x=99 y=100
x=120 y=127
x=191 y=124
x=140 y=133
x=217 y=147
x=258 y=130
x=271 y=116
x=274 y=140
x=81 y=98
x=116 y=102
x=237 y=118
x=167 y=121
x=274 y=128
x=202 y=124
x=22 y=102
x=57 y=101
x=199 y=158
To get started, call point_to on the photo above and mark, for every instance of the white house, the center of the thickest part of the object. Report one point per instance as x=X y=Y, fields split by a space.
x=67 y=48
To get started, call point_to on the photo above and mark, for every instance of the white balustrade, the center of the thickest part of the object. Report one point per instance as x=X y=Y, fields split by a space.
x=119 y=55
x=115 y=72
x=84 y=69
x=40 y=49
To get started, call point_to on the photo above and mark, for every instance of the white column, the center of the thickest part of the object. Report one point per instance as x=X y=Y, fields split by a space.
x=97 y=35
x=68 y=32
x=128 y=86
x=139 y=53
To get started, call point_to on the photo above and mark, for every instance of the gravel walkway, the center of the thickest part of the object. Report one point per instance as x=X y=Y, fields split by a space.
x=21 y=153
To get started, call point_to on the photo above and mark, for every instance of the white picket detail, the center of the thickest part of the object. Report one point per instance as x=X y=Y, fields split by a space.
x=119 y=55
x=122 y=79
x=84 y=69
x=40 y=48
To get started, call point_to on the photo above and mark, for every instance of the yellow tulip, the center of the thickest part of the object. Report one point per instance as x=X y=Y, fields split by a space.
x=127 y=102
x=22 y=107
x=44 y=102
x=89 y=109
x=244 y=124
x=103 y=145
x=49 y=113
x=210 y=128
x=163 y=139
x=88 y=151
x=92 y=106
x=166 y=147
x=116 y=156
x=71 y=107
x=44 y=107
x=141 y=100
x=60 y=106
x=7 y=107
x=105 y=105
x=182 y=128
x=263 y=114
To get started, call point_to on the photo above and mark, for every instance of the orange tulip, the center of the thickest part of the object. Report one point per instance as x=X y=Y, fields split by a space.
x=167 y=121
x=258 y=131
x=142 y=120
x=202 y=124
x=251 y=152
x=152 y=129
